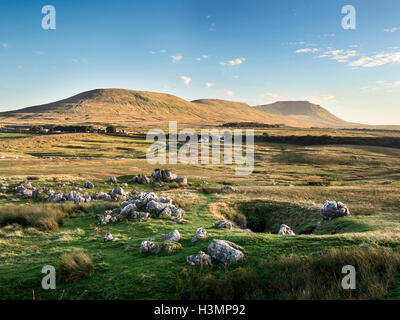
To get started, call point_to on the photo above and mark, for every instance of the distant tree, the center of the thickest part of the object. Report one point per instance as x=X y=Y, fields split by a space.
x=111 y=129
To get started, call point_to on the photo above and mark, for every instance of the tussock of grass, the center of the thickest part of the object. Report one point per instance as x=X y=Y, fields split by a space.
x=75 y=265
x=45 y=216
x=316 y=276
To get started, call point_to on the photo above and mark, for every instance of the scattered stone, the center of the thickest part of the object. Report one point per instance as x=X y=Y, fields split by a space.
x=141 y=179
x=76 y=197
x=113 y=180
x=3 y=187
x=227 y=189
x=148 y=246
x=312 y=204
x=181 y=180
x=222 y=224
x=291 y=185
x=333 y=209
x=128 y=210
x=140 y=215
x=388 y=182
x=124 y=185
x=108 y=237
x=200 y=234
x=26 y=185
x=58 y=197
x=88 y=185
x=102 y=196
x=173 y=236
x=162 y=174
x=225 y=251
x=285 y=230
x=200 y=259
x=108 y=218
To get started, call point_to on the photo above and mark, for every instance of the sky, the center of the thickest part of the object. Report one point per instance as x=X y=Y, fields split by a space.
x=256 y=52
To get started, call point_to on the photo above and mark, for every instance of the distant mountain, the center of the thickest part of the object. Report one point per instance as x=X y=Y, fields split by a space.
x=142 y=109
x=303 y=110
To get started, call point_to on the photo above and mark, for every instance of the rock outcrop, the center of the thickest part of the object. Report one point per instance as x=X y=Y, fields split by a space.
x=225 y=251
x=332 y=209
x=200 y=259
x=200 y=234
x=285 y=230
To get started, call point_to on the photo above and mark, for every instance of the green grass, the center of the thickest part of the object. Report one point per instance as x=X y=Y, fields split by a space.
x=356 y=176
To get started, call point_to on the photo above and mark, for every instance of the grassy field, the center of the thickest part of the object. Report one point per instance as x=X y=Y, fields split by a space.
x=365 y=178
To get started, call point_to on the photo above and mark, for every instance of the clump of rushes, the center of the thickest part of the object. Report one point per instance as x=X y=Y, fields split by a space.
x=45 y=217
x=75 y=265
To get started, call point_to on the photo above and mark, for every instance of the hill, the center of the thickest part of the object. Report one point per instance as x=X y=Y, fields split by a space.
x=304 y=110
x=142 y=108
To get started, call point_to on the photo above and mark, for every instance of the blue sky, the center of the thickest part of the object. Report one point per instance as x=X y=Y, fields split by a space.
x=251 y=51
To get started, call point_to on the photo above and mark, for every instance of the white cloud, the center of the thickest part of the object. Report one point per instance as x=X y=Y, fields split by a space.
x=4 y=45
x=380 y=82
x=74 y=60
x=307 y=50
x=152 y=52
x=397 y=84
x=234 y=62
x=176 y=58
x=186 y=80
x=392 y=29
x=209 y=85
x=379 y=59
x=203 y=56
x=212 y=27
x=342 y=56
x=229 y=93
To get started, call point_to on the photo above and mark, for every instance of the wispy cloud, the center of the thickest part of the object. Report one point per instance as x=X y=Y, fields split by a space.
x=342 y=56
x=209 y=85
x=212 y=27
x=307 y=50
x=202 y=57
x=392 y=29
x=4 y=45
x=176 y=58
x=234 y=62
x=186 y=80
x=227 y=92
x=379 y=59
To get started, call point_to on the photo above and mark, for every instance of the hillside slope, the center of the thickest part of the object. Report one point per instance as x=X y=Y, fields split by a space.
x=303 y=110
x=142 y=108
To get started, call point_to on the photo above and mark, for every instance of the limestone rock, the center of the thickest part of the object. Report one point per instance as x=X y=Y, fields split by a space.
x=332 y=209
x=285 y=230
x=227 y=189
x=225 y=251
x=173 y=236
x=223 y=224
x=200 y=259
x=88 y=185
x=200 y=234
